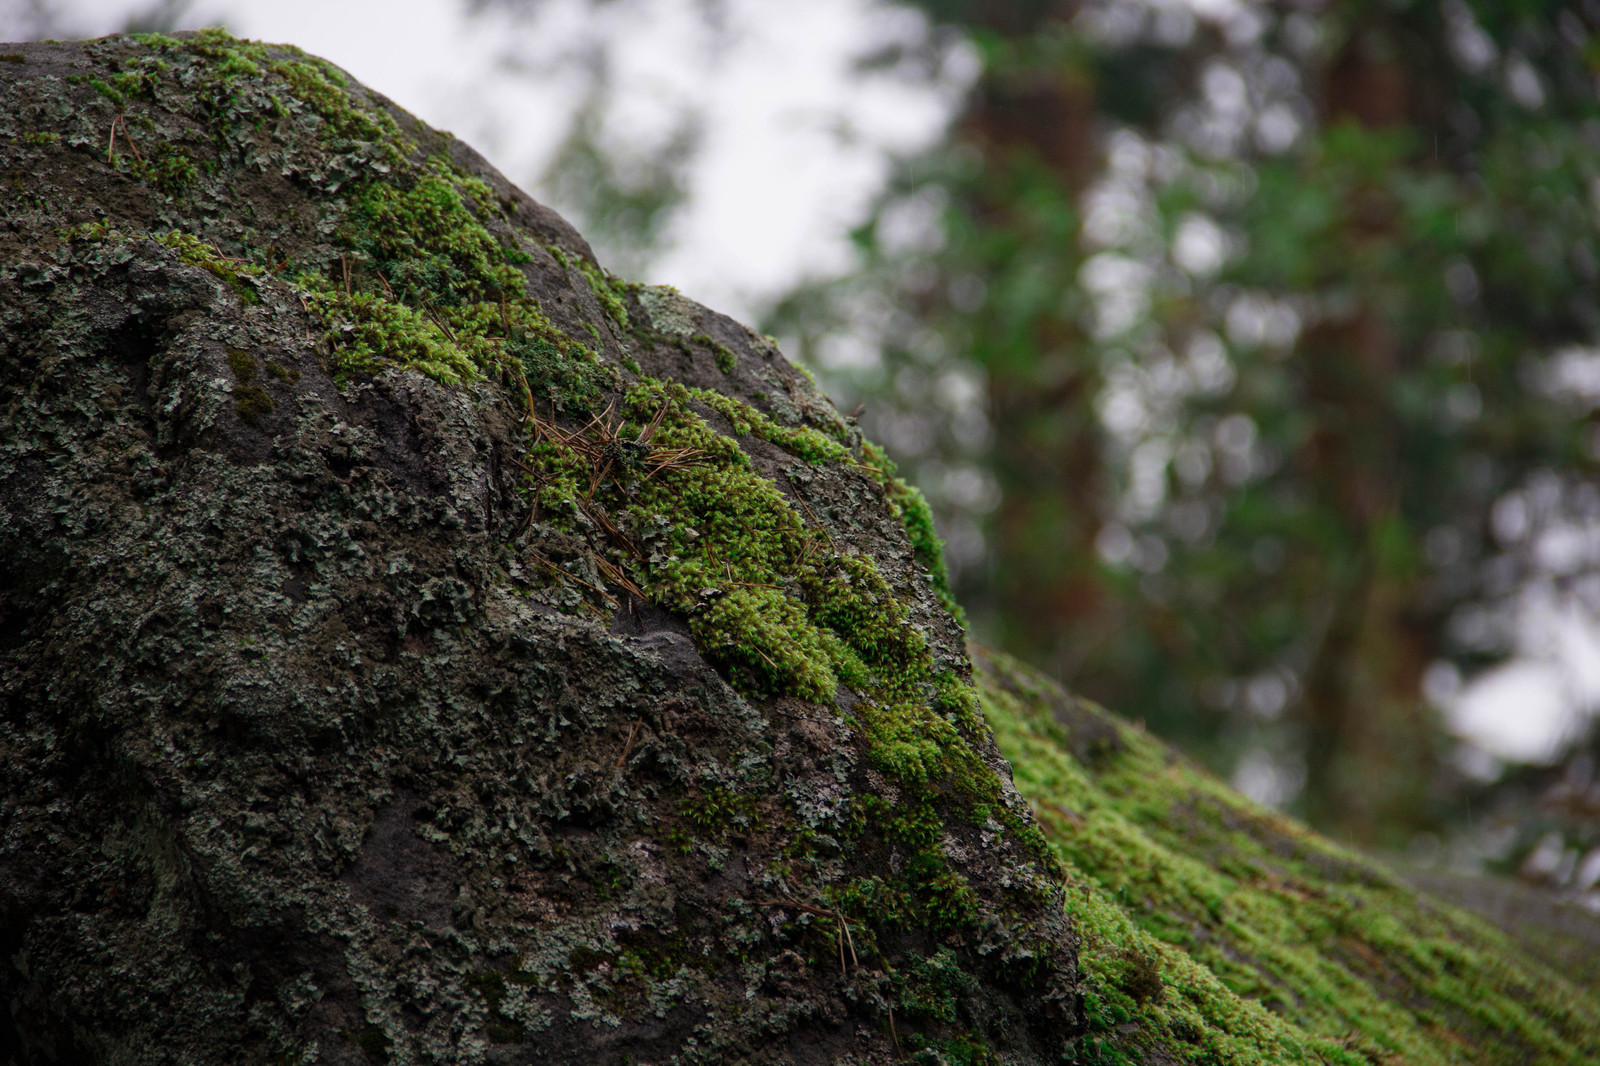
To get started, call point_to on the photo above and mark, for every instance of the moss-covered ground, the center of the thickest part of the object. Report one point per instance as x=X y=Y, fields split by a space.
x=1220 y=932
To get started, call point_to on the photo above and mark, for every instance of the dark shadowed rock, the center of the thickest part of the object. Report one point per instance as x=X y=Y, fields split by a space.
x=419 y=646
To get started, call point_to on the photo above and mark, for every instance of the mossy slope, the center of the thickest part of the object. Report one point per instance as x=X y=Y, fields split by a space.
x=1215 y=931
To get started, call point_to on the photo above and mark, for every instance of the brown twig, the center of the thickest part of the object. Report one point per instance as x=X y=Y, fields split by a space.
x=649 y=431
x=134 y=148
x=599 y=518
x=842 y=932
x=111 y=143
x=672 y=459
x=227 y=258
x=542 y=561
x=627 y=744
x=524 y=467
x=616 y=576
x=434 y=316
x=797 y=906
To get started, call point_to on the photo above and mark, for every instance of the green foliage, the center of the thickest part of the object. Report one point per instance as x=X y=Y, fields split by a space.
x=1244 y=489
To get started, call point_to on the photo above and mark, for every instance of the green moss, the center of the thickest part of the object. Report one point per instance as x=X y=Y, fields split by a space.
x=425 y=285
x=238 y=273
x=251 y=401
x=243 y=365
x=932 y=987
x=171 y=171
x=727 y=359
x=104 y=88
x=717 y=810
x=605 y=288
x=426 y=245
x=224 y=66
x=802 y=442
x=371 y=331
x=911 y=507
x=1233 y=935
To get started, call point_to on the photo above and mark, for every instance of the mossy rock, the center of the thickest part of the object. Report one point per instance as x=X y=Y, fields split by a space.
x=417 y=645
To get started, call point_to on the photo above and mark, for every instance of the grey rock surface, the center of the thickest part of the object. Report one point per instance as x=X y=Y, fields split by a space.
x=321 y=742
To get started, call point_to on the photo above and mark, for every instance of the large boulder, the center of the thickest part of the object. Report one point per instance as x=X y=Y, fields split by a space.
x=419 y=646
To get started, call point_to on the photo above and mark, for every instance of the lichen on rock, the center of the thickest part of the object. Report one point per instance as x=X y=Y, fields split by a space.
x=414 y=652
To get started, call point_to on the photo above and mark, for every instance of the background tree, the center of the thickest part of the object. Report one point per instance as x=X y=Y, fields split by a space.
x=1284 y=316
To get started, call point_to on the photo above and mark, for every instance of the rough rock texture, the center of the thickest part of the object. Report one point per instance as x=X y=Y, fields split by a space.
x=418 y=646
x=400 y=663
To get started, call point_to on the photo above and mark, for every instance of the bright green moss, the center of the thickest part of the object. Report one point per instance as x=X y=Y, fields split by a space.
x=372 y=331
x=802 y=442
x=1271 y=944
x=605 y=288
x=727 y=358
x=769 y=601
x=426 y=286
x=425 y=245
x=911 y=507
